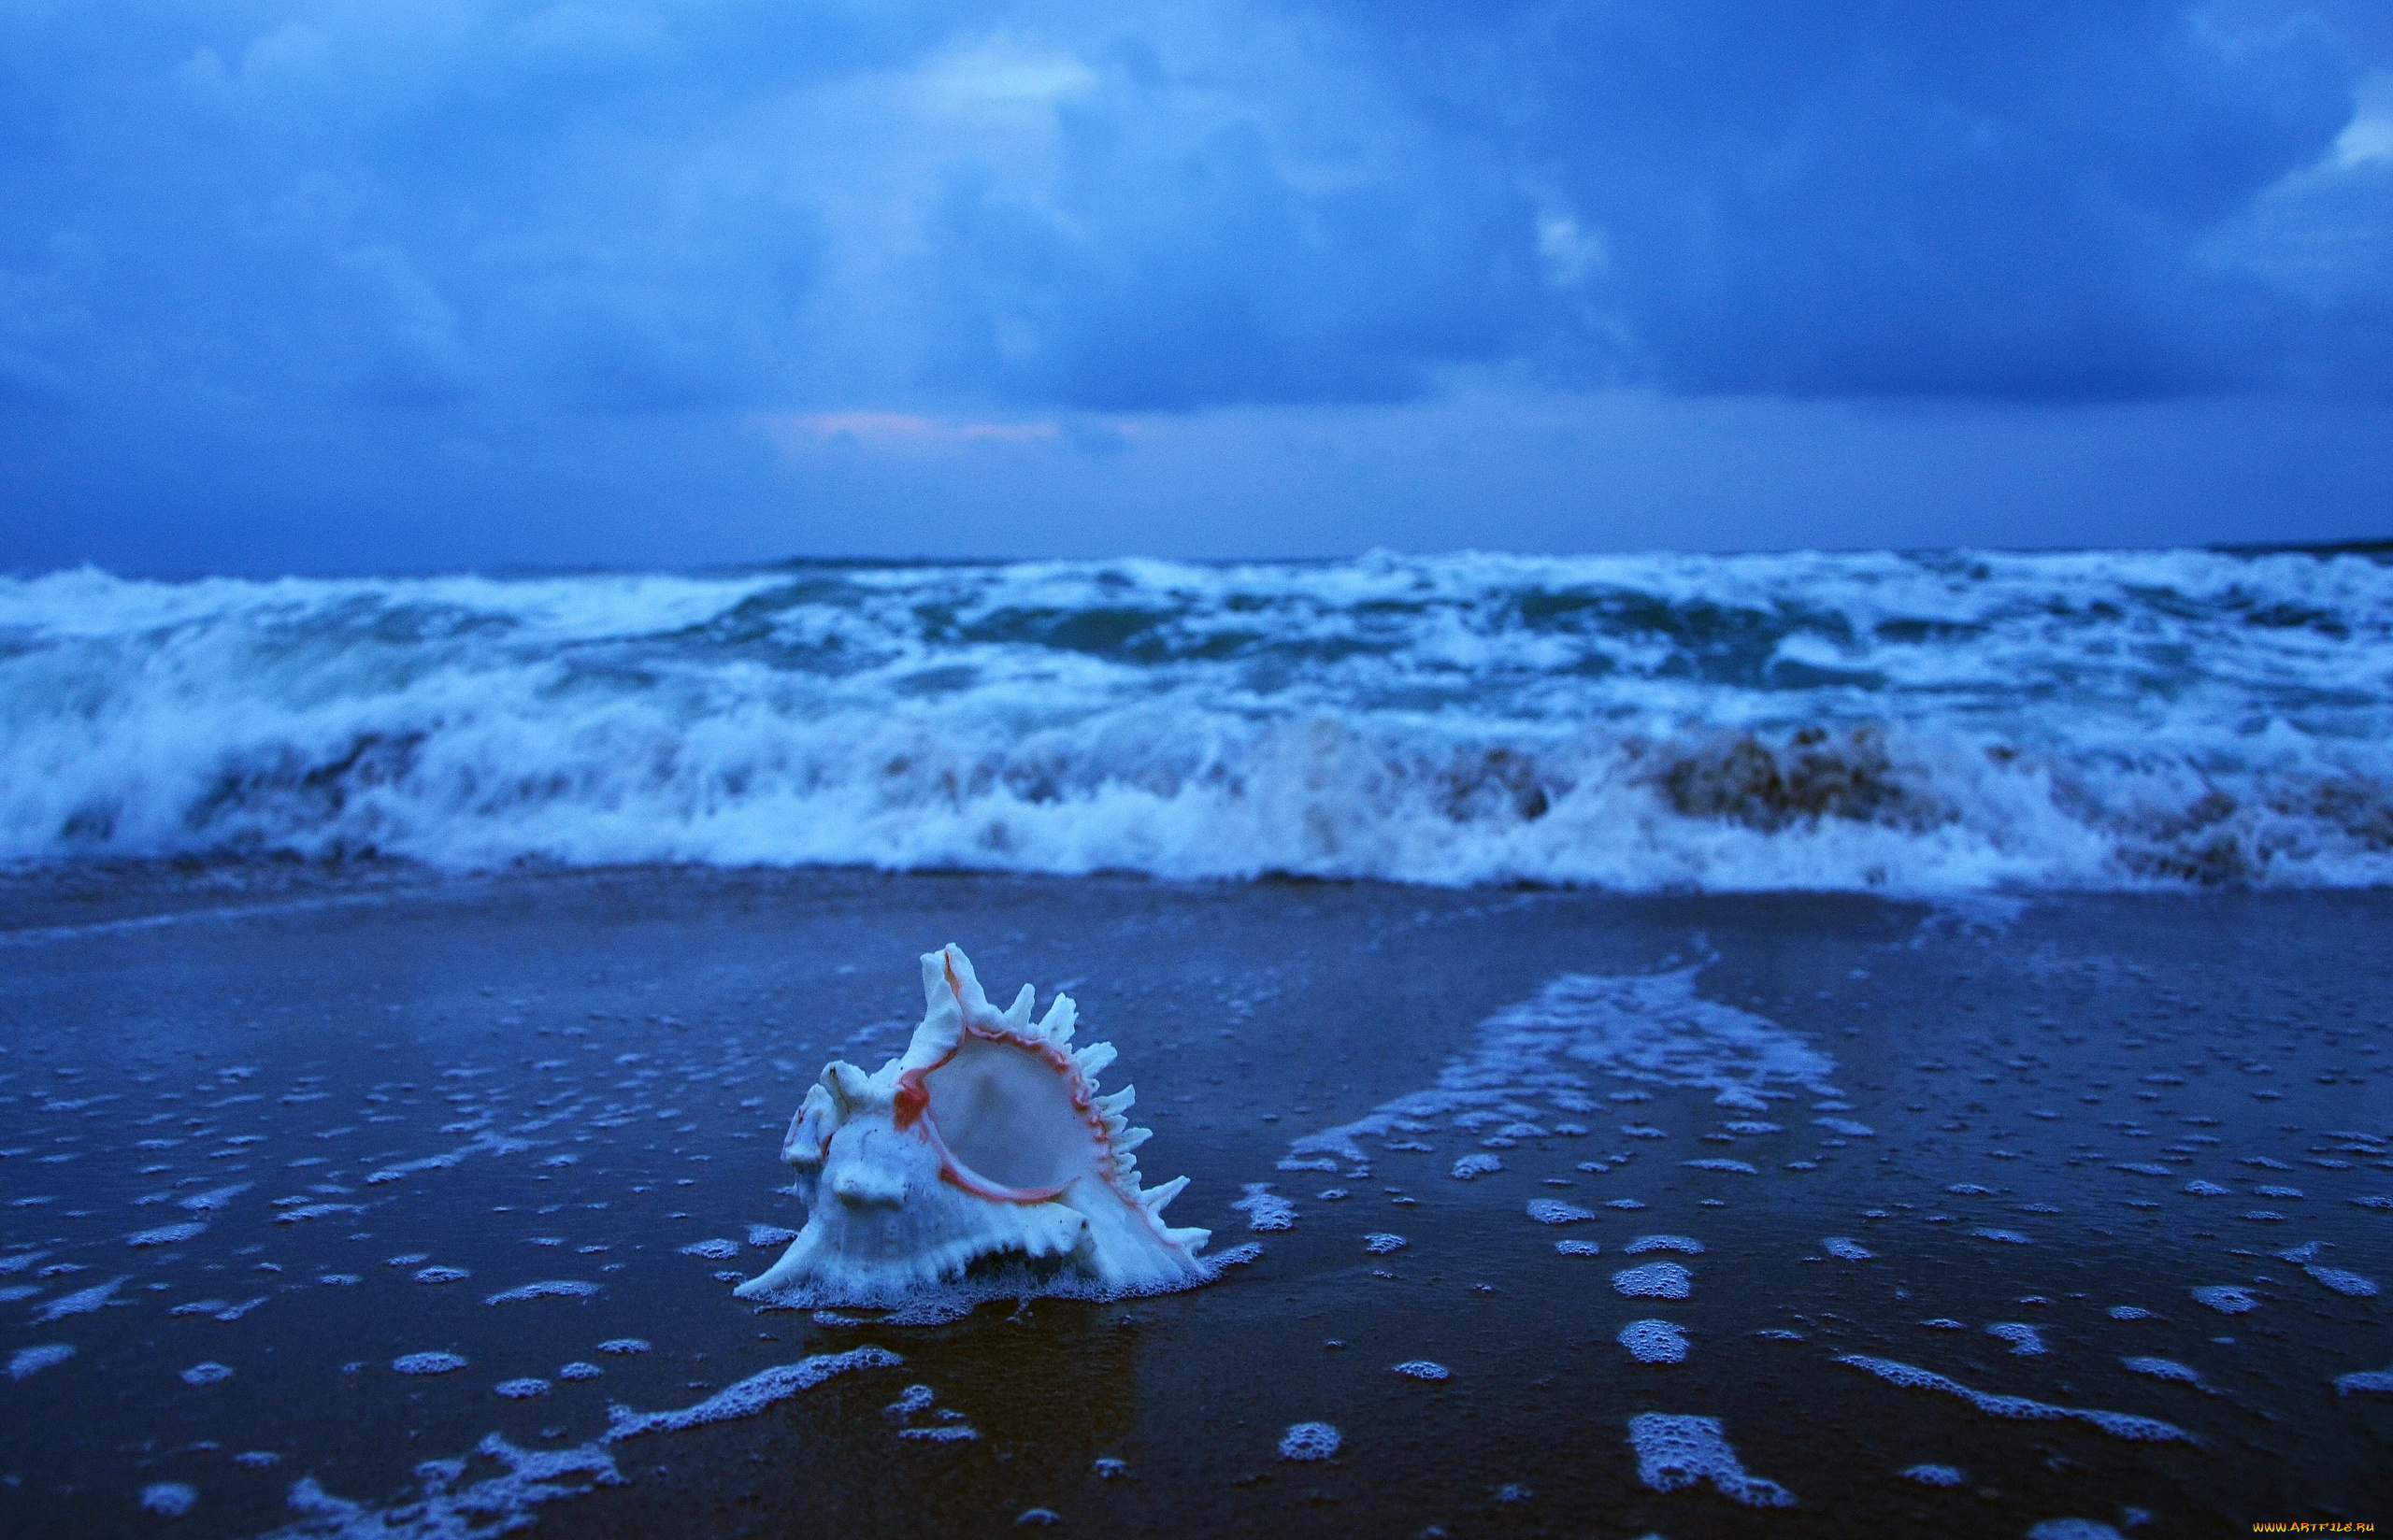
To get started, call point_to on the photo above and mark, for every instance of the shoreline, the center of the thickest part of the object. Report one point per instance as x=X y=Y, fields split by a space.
x=648 y=1004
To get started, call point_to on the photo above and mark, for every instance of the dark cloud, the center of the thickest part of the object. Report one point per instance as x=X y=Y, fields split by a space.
x=1164 y=269
x=350 y=247
x=2001 y=201
x=1975 y=200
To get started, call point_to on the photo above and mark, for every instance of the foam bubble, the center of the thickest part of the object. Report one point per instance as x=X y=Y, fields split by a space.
x=2367 y=1382
x=522 y=1390
x=1654 y=1280
x=1654 y=1342
x=545 y=1289
x=1685 y=1245
x=1935 y=1476
x=714 y=1251
x=32 y=1361
x=1475 y=1166
x=2073 y=1529
x=441 y=1275
x=2161 y=1368
x=1555 y=1211
x=1383 y=1244
x=80 y=1303
x=1578 y=1248
x=168 y=1234
x=763 y=1237
x=2008 y=1237
x=1679 y=1451
x=206 y=1374
x=2130 y=1312
x=1847 y=1251
x=1421 y=1368
x=2025 y=1341
x=1720 y=1164
x=169 y=1499
x=2227 y=1299
x=427 y=1364
x=948 y=1433
x=2342 y=1282
x=1265 y=1211
x=580 y=1370
x=1309 y=1441
x=624 y=1344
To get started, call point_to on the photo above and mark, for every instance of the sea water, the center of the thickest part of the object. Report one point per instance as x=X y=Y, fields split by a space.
x=1913 y=723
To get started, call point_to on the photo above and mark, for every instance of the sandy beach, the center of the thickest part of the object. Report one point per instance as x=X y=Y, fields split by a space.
x=270 y=1132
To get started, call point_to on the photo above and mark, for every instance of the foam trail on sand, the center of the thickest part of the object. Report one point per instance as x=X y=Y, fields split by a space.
x=748 y=1397
x=2119 y=1424
x=440 y=1509
x=1652 y=1029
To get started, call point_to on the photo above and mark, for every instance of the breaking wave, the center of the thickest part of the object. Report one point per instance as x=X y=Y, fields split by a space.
x=1912 y=723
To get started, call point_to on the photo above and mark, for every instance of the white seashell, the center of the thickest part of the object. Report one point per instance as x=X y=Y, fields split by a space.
x=986 y=1143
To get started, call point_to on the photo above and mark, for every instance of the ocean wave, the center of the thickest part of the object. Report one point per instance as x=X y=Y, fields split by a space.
x=1905 y=724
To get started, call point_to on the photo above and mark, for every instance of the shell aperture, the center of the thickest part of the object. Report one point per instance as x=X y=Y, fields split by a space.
x=985 y=1148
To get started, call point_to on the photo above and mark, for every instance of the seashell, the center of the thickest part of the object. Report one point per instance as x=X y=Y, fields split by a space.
x=985 y=1146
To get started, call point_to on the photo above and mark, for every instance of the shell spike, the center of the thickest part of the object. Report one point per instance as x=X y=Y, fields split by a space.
x=1157 y=1199
x=965 y=983
x=1017 y=1015
x=849 y=1087
x=1056 y=1025
x=1130 y=1139
x=1093 y=1058
x=1118 y=1103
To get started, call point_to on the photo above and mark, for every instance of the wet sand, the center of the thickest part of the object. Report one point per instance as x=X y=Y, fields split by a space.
x=345 y=1088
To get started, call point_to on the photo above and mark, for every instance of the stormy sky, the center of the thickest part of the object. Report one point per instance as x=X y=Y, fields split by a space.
x=403 y=284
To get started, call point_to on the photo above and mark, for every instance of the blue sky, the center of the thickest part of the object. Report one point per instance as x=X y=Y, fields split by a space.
x=347 y=285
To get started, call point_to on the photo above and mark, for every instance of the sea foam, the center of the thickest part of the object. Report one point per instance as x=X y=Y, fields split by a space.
x=1914 y=724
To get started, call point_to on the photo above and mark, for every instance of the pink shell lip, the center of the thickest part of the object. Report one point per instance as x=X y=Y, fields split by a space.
x=912 y=1104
